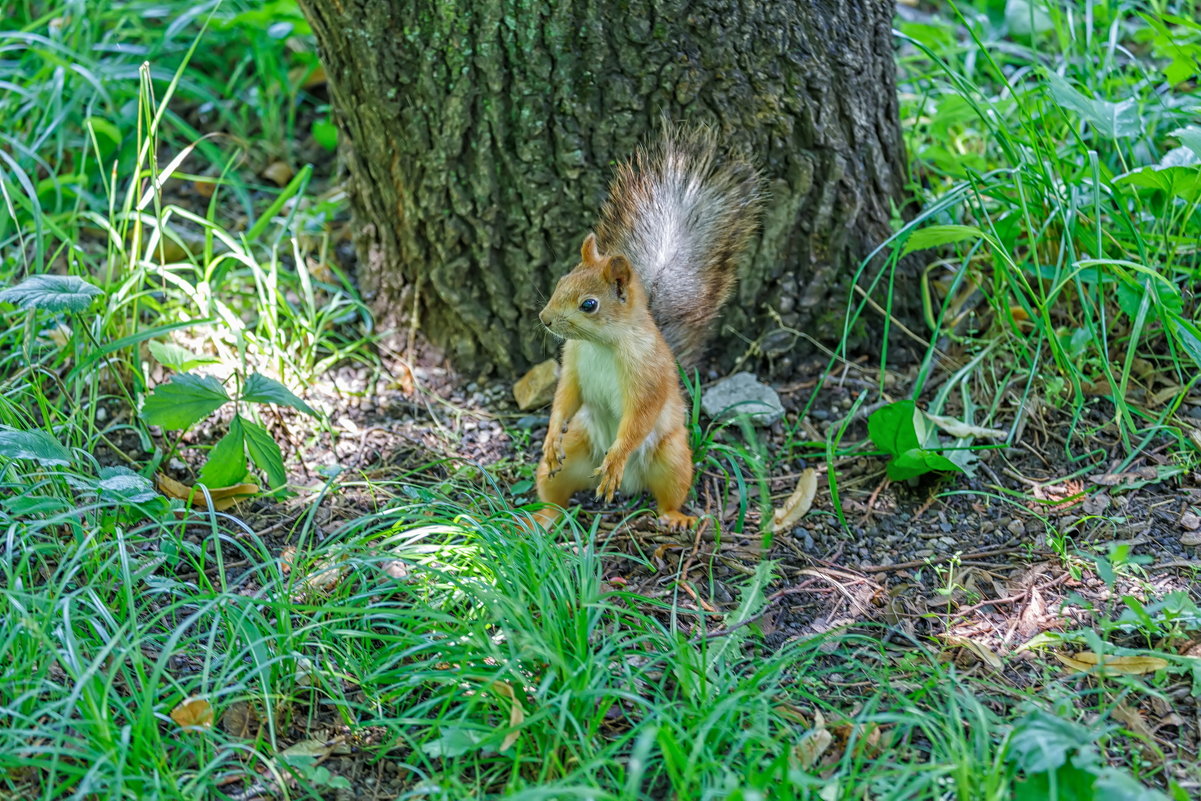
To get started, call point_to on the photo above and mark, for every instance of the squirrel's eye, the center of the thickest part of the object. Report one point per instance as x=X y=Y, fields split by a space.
x=589 y=305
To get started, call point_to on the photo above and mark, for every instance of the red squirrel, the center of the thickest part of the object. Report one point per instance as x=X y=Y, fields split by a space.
x=645 y=295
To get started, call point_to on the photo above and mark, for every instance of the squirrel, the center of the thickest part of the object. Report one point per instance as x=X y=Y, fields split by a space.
x=650 y=282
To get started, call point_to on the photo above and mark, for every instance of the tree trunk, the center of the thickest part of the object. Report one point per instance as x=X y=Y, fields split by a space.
x=480 y=136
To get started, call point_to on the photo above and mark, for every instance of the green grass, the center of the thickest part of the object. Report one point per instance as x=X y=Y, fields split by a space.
x=429 y=629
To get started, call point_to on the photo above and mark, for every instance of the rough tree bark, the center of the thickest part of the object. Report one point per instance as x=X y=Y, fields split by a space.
x=480 y=136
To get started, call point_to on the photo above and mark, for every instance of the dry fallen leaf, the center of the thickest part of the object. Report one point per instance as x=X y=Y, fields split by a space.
x=278 y=172
x=1132 y=719
x=239 y=720
x=1087 y=661
x=516 y=713
x=798 y=503
x=316 y=749
x=962 y=430
x=813 y=743
x=223 y=497
x=979 y=650
x=193 y=712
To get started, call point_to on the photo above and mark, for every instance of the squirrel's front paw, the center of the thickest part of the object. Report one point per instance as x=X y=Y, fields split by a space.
x=611 y=472
x=553 y=454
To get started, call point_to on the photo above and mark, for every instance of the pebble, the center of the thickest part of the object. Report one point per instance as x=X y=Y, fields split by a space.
x=533 y=421
x=1016 y=527
x=742 y=395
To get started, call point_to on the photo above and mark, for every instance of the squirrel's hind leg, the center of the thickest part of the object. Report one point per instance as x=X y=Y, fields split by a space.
x=669 y=477
x=574 y=473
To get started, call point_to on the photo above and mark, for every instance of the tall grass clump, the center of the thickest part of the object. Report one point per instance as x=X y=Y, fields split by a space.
x=1056 y=148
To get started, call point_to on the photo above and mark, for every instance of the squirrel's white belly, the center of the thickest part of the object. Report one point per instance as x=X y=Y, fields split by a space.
x=600 y=414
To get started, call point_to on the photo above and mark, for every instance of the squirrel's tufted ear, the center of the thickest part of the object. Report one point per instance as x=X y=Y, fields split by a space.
x=589 y=253
x=617 y=272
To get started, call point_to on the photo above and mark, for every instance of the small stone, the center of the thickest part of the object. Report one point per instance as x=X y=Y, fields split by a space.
x=531 y=421
x=1016 y=527
x=1190 y=521
x=742 y=394
x=537 y=387
x=1191 y=539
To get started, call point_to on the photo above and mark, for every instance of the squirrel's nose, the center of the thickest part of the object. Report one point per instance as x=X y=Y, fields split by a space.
x=544 y=317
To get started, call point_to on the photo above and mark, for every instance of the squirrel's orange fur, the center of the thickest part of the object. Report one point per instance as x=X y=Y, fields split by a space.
x=677 y=218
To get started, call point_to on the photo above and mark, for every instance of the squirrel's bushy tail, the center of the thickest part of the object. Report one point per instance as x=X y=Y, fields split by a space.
x=682 y=211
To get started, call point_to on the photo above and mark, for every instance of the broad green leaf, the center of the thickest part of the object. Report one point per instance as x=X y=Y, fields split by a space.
x=177 y=358
x=917 y=462
x=184 y=401
x=123 y=485
x=36 y=445
x=1110 y=120
x=1114 y=784
x=226 y=464
x=265 y=453
x=935 y=235
x=1165 y=297
x=891 y=427
x=454 y=742
x=1190 y=137
x=904 y=432
x=1042 y=742
x=1178 y=181
x=1068 y=783
x=52 y=293
x=325 y=133
x=260 y=389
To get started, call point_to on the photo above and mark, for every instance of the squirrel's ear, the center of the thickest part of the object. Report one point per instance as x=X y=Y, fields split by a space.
x=617 y=272
x=589 y=253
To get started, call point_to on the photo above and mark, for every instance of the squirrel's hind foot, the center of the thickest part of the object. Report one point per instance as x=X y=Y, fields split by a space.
x=676 y=521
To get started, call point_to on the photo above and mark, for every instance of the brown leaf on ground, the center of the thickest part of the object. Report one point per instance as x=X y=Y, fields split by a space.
x=1057 y=496
x=278 y=172
x=1089 y=662
x=194 y=712
x=982 y=652
x=516 y=712
x=1033 y=615
x=223 y=497
x=798 y=503
x=813 y=744
x=1132 y=719
x=240 y=720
